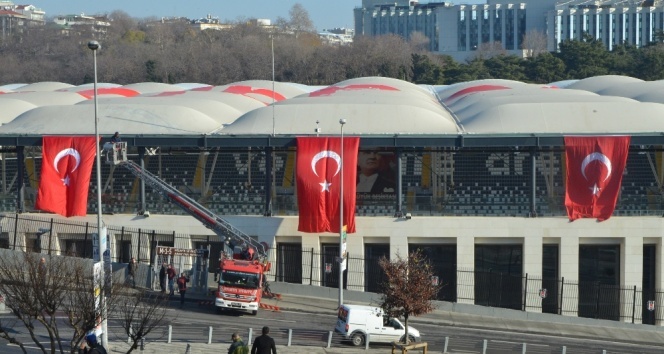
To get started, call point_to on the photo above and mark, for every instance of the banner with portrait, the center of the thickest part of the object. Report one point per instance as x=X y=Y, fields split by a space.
x=376 y=174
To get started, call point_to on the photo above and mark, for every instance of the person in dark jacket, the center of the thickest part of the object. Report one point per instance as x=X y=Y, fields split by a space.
x=162 y=277
x=264 y=344
x=91 y=345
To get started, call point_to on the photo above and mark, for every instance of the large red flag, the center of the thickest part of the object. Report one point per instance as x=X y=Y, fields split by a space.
x=595 y=168
x=318 y=172
x=65 y=174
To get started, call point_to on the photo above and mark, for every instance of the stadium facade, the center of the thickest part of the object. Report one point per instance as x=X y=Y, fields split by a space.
x=477 y=173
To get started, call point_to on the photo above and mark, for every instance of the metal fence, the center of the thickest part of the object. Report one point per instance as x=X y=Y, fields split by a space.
x=493 y=289
x=295 y=265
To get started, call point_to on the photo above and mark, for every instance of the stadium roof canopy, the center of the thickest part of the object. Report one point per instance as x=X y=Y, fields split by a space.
x=374 y=108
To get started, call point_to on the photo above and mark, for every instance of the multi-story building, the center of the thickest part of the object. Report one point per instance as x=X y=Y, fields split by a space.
x=456 y=30
x=611 y=22
x=462 y=31
x=16 y=18
x=77 y=23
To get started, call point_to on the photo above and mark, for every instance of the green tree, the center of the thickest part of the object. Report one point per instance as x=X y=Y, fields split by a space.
x=649 y=64
x=508 y=67
x=622 y=59
x=584 y=58
x=425 y=71
x=151 y=71
x=544 y=68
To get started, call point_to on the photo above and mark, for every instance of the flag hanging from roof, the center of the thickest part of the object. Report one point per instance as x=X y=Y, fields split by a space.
x=595 y=168
x=319 y=162
x=65 y=174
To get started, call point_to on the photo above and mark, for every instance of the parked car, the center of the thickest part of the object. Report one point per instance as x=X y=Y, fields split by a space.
x=355 y=322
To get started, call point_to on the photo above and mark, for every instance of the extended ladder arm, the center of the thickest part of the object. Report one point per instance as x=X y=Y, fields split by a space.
x=117 y=155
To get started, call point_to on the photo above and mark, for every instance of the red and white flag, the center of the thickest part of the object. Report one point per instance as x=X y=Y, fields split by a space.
x=65 y=174
x=595 y=168
x=319 y=162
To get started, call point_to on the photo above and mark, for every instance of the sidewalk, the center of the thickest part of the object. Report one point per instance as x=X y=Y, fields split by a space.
x=199 y=348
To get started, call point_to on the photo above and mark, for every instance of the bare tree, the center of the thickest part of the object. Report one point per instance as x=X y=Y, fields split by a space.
x=534 y=43
x=300 y=20
x=140 y=314
x=38 y=289
x=35 y=288
x=409 y=289
x=419 y=42
x=489 y=50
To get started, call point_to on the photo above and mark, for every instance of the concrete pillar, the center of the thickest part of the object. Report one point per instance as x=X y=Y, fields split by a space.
x=465 y=268
x=569 y=270
x=631 y=275
x=313 y=263
x=532 y=264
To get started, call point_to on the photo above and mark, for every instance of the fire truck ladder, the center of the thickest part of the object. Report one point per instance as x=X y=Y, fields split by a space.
x=116 y=154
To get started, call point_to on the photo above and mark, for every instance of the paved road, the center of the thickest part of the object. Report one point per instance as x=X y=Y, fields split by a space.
x=309 y=321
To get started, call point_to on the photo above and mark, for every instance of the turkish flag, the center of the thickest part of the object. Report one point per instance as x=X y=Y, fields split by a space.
x=65 y=174
x=319 y=172
x=595 y=168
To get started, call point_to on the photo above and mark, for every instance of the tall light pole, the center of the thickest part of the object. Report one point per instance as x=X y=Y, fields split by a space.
x=342 y=243
x=94 y=46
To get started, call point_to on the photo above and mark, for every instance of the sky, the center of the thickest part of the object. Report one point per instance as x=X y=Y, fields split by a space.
x=324 y=13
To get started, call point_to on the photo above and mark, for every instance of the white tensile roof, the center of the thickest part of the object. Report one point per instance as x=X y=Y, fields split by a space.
x=372 y=106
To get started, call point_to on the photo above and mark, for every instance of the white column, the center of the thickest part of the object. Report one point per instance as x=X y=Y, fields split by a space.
x=659 y=278
x=532 y=265
x=631 y=275
x=465 y=268
x=309 y=243
x=569 y=270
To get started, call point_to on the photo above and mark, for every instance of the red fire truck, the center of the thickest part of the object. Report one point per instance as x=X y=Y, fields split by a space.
x=241 y=283
x=242 y=280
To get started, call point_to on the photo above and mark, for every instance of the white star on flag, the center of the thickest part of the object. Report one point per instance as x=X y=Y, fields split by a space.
x=595 y=189
x=65 y=181
x=325 y=186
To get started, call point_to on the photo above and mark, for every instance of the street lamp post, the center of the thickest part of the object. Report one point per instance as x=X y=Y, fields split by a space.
x=341 y=220
x=94 y=46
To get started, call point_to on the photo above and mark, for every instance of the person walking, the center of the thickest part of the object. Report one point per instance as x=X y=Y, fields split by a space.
x=264 y=344
x=237 y=345
x=131 y=270
x=170 y=272
x=182 y=287
x=162 y=277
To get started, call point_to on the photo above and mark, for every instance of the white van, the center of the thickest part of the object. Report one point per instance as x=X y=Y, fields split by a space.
x=354 y=322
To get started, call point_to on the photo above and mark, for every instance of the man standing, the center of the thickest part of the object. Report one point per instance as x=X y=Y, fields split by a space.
x=182 y=287
x=170 y=271
x=162 y=277
x=131 y=270
x=264 y=344
x=116 y=138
